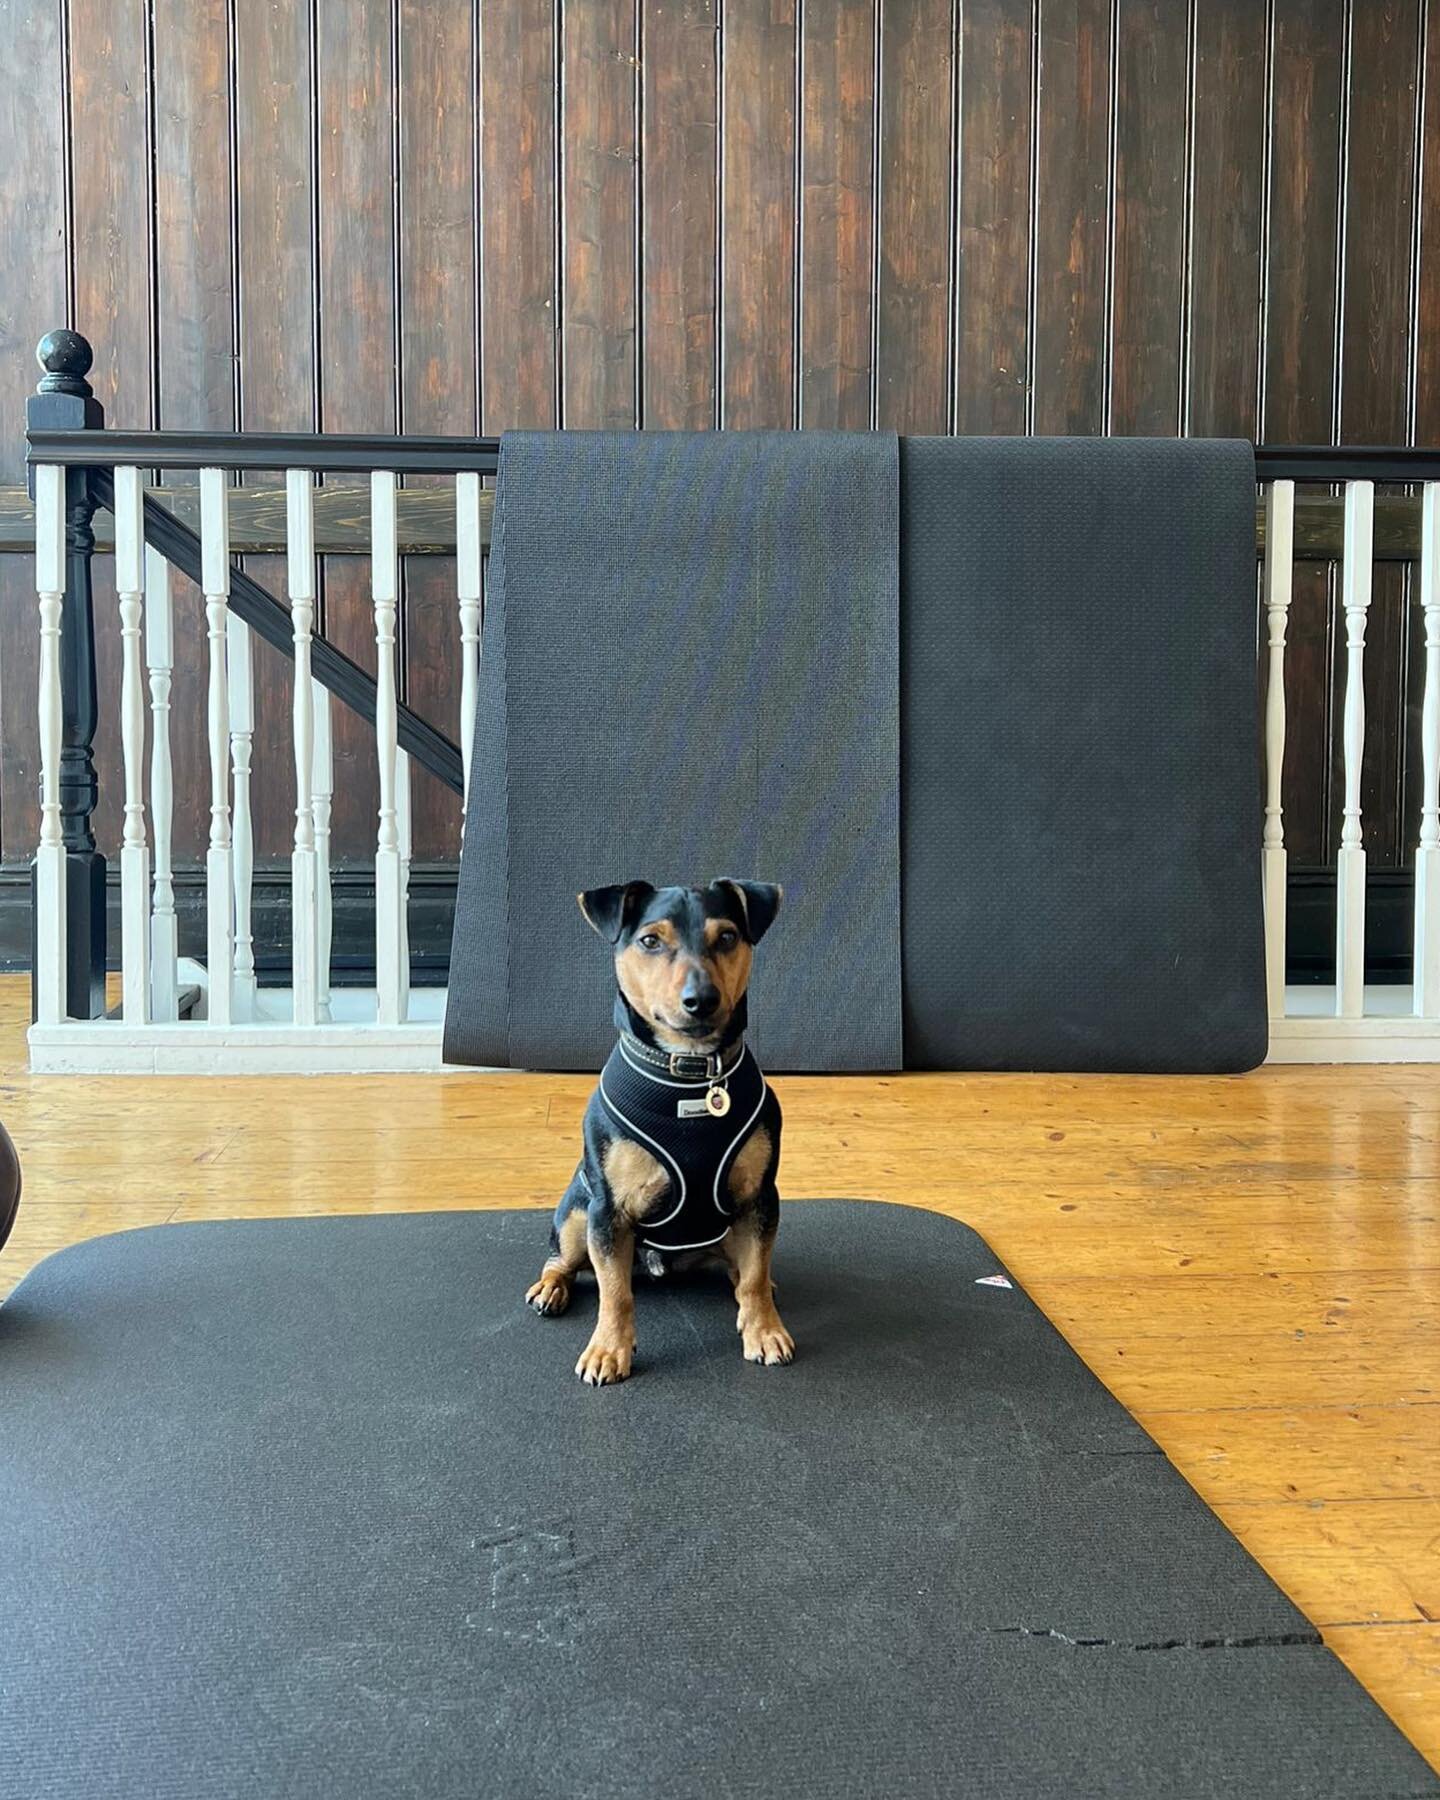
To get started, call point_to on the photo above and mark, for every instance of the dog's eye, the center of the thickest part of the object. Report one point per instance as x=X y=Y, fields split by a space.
x=651 y=941
x=727 y=940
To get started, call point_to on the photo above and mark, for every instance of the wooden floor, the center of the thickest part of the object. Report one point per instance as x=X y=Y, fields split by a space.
x=1251 y=1264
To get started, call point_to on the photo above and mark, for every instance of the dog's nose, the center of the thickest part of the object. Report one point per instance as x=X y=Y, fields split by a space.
x=700 y=998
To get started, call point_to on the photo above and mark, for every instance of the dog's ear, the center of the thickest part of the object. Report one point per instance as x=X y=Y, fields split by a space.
x=759 y=903
x=612 y=910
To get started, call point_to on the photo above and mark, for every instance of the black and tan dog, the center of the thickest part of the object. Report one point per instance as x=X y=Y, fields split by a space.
x=682 y=1136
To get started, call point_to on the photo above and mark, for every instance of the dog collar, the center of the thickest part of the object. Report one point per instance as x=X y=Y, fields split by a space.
x=679 y=1065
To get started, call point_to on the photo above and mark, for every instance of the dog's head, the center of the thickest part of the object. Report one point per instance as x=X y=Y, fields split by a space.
x=683 y=954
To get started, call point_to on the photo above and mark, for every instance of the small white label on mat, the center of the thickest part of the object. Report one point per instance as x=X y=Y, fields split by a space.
x=691 y=1109
x=993 y=1281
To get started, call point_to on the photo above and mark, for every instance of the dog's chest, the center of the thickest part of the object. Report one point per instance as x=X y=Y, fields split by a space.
x=694 y=1140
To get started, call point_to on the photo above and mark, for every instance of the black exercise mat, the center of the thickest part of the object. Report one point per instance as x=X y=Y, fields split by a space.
x=690 y=670
x=317 y=1508
x=1080 y=786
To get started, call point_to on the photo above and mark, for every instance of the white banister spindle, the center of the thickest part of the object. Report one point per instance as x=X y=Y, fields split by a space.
x=240 y=693
x=1350 y=882
x=1427 y=857
x=219 y=870
x=160 y=661
x=402 y=820
x=322 y=789
x=134 y=852
x=385 y=589
x=50 y=996
x=300 y=548
x=468 y=580
x=1279 y=569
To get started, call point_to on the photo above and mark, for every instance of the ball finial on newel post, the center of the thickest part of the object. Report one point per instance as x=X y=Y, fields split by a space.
x=66 y=358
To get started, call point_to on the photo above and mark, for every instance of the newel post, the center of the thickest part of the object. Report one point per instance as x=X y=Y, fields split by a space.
x=64 y=401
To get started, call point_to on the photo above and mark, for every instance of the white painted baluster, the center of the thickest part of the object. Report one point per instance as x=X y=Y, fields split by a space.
x=1279 y=568
x=1350 y=880
x=240 y=682
x=402 y=821
x=322 y=788
x=134 y=852
x=468 y=579
x=219 y=870
x=50 y=996
x=385 y=589
x=160 y=659
x=304 y=932
x=1427 y=858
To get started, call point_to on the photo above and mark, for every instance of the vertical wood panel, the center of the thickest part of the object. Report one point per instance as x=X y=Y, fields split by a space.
x=837 y=214
x=194 y=280
x=1226 y=206
x=1376 y=359
x=32 y=302
x=357 y=339
x=1299 y=373
x=194 y=317
x=597 y=338
x=1426 y=331
x=1427 y=295
x=1149 y=227
x=113 y=231
x=917 y=117
x=276 y=271
x=757 y=225
x=437 y=347
x=678 y=184
x=517 y=214
x=1071 y=217
x=992 y=337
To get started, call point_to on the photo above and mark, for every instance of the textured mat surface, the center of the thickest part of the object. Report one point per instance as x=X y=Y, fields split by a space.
x=1081 y=796
x=690 y=670
x=317 y=1508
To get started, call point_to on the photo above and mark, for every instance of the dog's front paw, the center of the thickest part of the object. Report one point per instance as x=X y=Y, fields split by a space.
x=605 y=1361
x=550 y=1295
x=767 y=1341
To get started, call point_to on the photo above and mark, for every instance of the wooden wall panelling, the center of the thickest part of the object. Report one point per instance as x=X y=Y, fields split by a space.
x=33 y=300
x=358 y=342
x=1151 y=79
x=113 y=226
x=598 y=215
x=757 y=215
x=276 y=270
x=518 y=195
x=837 y=214
x=196 y=365
x=438 y=350
x=1071 y=222
x=1426 y=343
x=1222 y=339
x=992 y=265
x=679 y=188
x=917 y=130
x=1302 y=239
x=1375 y=371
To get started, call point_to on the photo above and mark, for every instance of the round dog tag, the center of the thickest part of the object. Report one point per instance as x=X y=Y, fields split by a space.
x=718 y=1102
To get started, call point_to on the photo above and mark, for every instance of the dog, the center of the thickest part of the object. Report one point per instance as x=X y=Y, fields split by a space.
x=682 y=1135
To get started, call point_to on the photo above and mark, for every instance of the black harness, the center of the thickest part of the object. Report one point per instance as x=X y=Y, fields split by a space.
x=693 y=1113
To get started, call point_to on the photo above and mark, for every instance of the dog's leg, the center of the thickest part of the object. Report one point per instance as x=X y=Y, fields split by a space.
x=607 y=1357
x=550 y=1295
x=747 y=1249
